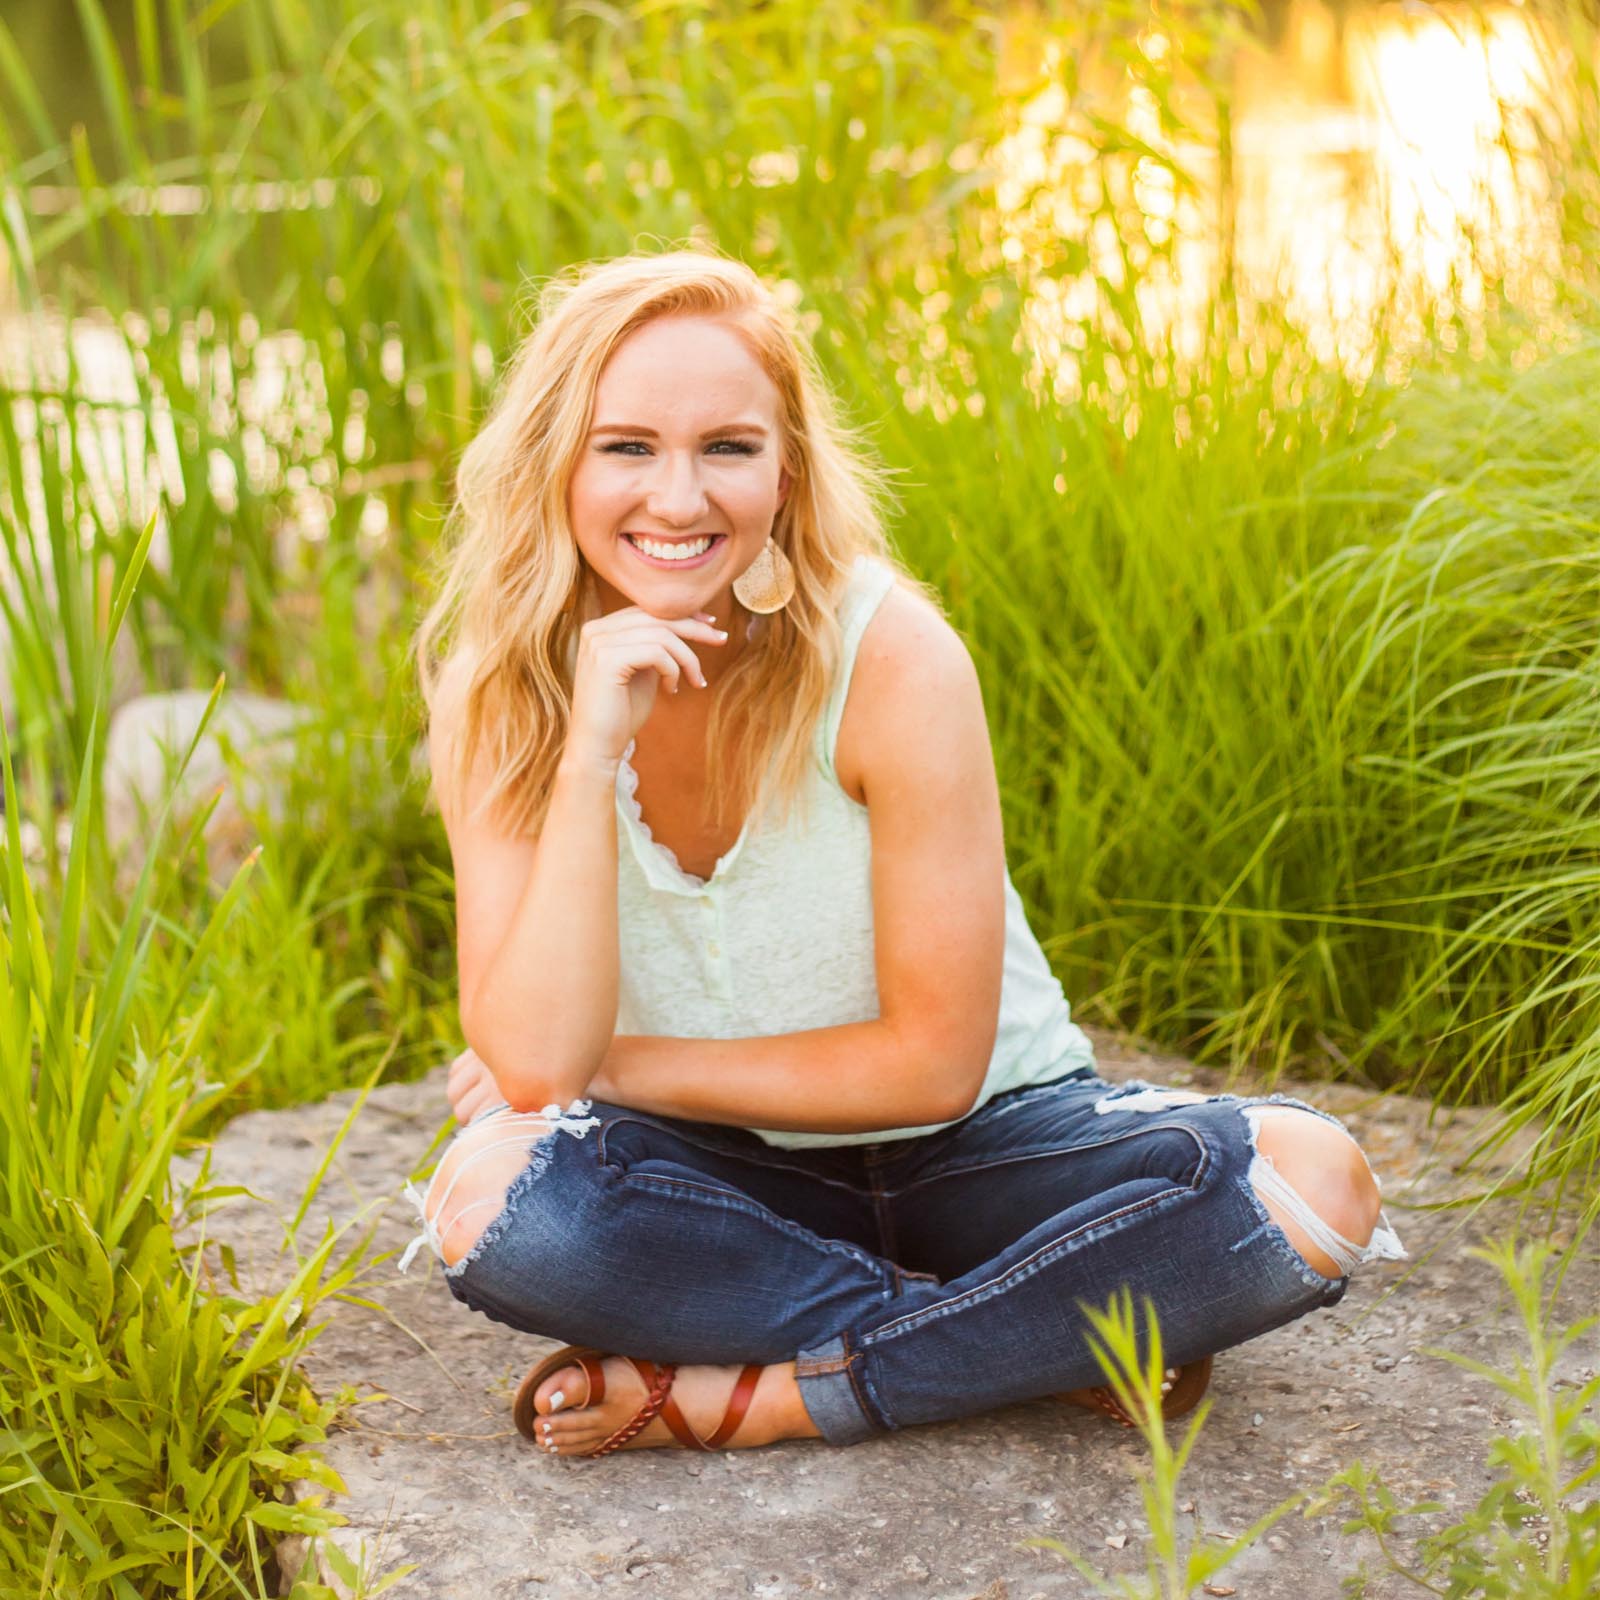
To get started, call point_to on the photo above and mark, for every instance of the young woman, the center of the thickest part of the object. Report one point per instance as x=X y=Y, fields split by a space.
x=770 y=1087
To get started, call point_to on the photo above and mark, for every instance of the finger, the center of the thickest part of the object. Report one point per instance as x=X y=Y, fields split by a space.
x=659 y=657
x=633 y=620
x=479 y=1096
x=468 y=1106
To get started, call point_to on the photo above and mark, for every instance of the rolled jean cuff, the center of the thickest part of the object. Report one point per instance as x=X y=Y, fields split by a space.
x=828 y=1394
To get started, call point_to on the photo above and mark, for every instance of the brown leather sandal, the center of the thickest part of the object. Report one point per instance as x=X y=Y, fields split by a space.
x=1182 y=1397
x=657 y=1380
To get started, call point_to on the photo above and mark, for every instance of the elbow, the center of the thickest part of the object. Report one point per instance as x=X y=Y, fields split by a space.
x=961 y=1106
x=949 y=1094
x=523 y=1083
x=969 y=1057
x=964 y=1094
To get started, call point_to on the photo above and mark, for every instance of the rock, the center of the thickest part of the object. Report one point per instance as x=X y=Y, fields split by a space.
x=437 y=1475
x=147 y=738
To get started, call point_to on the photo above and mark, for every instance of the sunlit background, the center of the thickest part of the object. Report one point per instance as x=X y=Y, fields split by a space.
x=1234 y=369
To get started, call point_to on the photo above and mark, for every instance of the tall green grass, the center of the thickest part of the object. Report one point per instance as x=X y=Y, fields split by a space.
x=148 y=1413
x=1310 y=773
x=1290 y=666
x=1288 y=663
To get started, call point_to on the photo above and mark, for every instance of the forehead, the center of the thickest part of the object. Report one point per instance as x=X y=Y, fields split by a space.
x=682 y=367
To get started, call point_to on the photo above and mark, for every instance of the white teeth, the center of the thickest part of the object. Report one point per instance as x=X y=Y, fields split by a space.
x=673 y=552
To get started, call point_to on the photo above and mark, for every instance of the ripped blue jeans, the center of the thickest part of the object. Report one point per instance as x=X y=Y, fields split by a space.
x=910 y=1280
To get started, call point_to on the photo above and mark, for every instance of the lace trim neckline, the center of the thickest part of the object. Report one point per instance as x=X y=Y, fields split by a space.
x=628 y=788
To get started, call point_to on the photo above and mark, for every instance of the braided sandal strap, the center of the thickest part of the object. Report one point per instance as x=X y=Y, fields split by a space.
x=660 y=1383
x=1183 y=1395
x=1109 y=1404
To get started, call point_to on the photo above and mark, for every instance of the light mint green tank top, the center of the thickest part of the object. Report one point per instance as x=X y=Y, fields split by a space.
x=779 y=938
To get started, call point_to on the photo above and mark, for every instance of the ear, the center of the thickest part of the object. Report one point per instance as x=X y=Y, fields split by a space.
x=785 y=482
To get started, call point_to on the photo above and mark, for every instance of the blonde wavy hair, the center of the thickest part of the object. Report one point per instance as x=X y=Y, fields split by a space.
x=493 y=649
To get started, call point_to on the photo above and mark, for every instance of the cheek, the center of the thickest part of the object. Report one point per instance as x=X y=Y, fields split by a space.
x=591 y=490
x=755 y=494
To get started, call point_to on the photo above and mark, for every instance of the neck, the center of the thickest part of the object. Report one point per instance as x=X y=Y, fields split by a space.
x=717 y=660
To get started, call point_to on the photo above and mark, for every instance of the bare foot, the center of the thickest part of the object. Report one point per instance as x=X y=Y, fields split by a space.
x=567 y=1427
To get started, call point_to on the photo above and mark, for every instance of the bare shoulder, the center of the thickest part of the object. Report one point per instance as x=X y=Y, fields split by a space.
x=914 y=679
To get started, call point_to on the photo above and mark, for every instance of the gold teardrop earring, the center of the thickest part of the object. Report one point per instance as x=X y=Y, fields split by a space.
x=767 y=584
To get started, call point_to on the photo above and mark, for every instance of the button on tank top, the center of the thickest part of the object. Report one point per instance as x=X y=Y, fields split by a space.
x=780 y=938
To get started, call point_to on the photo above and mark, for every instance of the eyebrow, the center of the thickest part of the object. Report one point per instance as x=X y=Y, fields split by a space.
x=650 y=433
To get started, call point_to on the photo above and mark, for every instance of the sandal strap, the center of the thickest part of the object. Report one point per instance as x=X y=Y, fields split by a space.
x=660 y=1385
x=595 y=1373
x=1184 y=1394
x=738 y=1404
x=1113 y=1408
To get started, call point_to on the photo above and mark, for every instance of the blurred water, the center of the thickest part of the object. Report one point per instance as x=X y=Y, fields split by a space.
x=1371 y=157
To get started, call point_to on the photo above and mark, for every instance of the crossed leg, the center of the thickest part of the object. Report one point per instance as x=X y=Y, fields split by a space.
x=1322 y=1165
x=469 y=1191
x=1312 y=1179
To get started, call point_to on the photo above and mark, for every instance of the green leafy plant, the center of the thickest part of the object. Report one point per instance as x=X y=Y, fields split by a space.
x=1535 y=1532
x=150 y=1421
x=1178 y=1560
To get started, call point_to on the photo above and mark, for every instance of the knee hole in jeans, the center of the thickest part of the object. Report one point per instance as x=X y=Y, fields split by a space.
x=1316 y=1185
x=468 y=1191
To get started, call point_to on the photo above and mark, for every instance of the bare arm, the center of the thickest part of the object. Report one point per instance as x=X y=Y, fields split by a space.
x=938 y=870
x=847 y=1079
x=537 y=918
x=545 y=1001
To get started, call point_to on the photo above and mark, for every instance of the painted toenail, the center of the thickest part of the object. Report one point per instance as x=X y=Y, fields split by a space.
x=557 y=1399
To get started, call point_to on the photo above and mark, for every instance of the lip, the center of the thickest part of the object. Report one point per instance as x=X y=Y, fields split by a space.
x=687 y=564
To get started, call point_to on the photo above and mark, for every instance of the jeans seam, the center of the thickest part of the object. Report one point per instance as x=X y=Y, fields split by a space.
x=1013 y=1156
x=818 y=1366
x=884 y=1219
x=735 y=1201
x=855 y=1360
x=1063 y=1243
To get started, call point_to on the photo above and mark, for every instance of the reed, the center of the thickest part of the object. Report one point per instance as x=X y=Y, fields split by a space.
x=149 y=1411
x=1289 y=654
x=1289 y=776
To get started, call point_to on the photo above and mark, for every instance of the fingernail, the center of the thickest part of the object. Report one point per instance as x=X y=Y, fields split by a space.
x=558 y=1399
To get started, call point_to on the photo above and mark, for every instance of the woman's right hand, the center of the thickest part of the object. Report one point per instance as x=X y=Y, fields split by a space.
x=623 y=659
x=471 y=1086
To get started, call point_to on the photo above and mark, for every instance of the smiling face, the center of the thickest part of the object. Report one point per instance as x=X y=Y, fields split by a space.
x=677 y=484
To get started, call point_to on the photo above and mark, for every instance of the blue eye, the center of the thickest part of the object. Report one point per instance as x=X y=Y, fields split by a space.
x=629 y=447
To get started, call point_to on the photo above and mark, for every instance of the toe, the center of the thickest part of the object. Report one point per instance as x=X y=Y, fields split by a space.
x=564 y=1387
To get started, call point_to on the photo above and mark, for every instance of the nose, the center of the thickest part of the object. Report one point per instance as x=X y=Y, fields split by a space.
x=676 y=494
